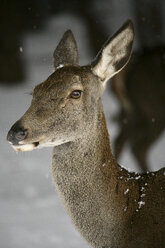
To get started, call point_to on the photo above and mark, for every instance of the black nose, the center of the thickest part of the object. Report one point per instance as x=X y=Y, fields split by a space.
x=17 y=133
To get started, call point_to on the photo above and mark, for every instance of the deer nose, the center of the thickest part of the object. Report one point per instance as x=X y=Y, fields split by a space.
x=16 y=134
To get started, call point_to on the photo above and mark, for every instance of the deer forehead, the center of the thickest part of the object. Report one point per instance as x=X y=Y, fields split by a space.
x=64 y=80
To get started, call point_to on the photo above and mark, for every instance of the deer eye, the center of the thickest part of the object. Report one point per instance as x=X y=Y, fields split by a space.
x=75 y=94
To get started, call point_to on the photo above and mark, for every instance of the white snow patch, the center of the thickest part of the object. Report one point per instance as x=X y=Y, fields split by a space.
x=125 y=192
x=138 y=177
x=60 y=66
x=125 y=209
x=141 y=203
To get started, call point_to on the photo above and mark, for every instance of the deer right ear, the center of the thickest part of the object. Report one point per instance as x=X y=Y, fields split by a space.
x=115 y=53
x=66 y=51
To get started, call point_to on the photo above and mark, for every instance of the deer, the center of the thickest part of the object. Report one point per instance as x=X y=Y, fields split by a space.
x=109 y=205
x=141 y=99
x=139 y=88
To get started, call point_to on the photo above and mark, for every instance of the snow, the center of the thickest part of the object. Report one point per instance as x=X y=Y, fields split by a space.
x=31 y=212
x=141 y=203
x=138 y=177
x=125 y=209
x=126 y=192
x=21 y=49
x=60 y=66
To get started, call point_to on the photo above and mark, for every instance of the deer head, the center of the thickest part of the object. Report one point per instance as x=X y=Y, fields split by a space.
x=64 y=107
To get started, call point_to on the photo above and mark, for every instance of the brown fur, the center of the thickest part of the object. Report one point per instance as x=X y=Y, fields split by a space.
x=108 y=205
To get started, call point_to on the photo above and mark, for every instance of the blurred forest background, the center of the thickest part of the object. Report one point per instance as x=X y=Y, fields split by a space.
x=30 y=211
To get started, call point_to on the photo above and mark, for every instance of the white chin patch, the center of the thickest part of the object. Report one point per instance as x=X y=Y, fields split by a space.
x=24 y=148
x=56 y=142
x=35 y=145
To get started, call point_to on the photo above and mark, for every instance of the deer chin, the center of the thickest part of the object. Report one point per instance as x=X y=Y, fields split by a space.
x=21 y=147
x=26 y=147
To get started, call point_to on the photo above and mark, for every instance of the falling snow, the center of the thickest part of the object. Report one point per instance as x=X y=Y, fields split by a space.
x=21 y=49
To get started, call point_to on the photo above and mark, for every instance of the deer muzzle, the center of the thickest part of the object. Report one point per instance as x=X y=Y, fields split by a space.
x=16 y=137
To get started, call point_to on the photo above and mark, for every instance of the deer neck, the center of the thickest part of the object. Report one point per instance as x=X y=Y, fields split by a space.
x=81 y=158
x=84 y=173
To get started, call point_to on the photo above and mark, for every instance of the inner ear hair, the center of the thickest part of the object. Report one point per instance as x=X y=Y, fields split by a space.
x=115 y=53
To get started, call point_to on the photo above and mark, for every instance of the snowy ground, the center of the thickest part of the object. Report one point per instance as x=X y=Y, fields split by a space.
x=31 y=214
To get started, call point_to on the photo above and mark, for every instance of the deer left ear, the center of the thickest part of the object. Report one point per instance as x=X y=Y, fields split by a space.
x=66 y=51
x=115 y=53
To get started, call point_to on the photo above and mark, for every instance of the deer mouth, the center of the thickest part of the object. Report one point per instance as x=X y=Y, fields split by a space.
x=36 y=143
x=26 y=147
x=23 y=147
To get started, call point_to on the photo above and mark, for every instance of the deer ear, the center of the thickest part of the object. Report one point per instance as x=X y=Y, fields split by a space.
x=115 y=54
x=66 y=51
